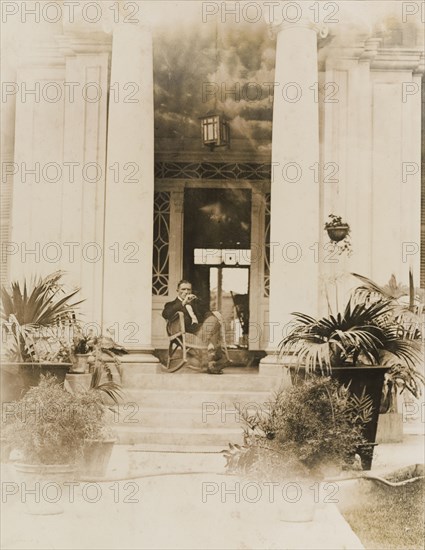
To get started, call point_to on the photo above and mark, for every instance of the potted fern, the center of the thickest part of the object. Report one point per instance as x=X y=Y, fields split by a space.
x=304 y=434
x=55 y=431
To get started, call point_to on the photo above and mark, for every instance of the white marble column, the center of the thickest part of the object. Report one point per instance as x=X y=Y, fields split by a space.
x=57 y=216
x=127 y=297
x=295 y=220
x=85 y=124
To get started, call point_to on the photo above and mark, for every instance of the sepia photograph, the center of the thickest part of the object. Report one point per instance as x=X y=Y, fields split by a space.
x=212 y=275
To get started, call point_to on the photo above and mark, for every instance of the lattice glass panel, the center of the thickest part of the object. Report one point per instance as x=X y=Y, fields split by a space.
x=161 y=241
x=213 y=170
x=267 y=245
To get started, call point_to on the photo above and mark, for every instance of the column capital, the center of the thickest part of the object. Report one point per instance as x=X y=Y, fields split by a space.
x=81 y=43
x=275 y=28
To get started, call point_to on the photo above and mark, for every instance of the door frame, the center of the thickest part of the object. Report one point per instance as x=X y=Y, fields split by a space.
x=258 y=301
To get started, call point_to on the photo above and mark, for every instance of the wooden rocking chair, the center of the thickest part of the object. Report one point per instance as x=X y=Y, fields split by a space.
x=180 y=339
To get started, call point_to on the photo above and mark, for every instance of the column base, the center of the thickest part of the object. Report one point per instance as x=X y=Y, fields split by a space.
x=140 y=361
x=277 y=367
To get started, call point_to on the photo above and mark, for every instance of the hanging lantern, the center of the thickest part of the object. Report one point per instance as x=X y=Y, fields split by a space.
x=215 y=131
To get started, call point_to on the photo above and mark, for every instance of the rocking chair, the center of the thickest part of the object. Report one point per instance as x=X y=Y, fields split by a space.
x=180 y=339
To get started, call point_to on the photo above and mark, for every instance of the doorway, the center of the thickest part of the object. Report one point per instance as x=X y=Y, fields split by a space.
x=217 y=254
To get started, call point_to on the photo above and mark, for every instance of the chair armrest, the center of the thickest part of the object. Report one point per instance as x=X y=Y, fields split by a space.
x=175 y=325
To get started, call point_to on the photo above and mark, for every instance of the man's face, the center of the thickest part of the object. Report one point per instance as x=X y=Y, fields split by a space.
x=183 y=290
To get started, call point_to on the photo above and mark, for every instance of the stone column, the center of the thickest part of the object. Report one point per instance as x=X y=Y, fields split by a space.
x=295 y=223
x=127 y=296
x=84 y=145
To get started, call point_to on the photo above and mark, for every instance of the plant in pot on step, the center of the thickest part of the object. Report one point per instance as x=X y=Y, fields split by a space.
x=354 y=346
x=34 y=316
x=81 y=353
x=303 y=435
x=101 y=356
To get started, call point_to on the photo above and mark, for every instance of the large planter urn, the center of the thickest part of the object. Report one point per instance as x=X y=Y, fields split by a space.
x=359 y=378
x=371 y=380
x=18 y=378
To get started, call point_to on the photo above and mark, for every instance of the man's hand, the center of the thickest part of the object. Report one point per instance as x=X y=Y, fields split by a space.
x=189 y=298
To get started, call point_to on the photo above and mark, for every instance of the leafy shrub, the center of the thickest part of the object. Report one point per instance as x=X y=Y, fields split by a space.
x=49 y=425
x=304 y=429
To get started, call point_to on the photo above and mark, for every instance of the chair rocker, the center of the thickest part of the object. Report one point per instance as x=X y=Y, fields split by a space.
x=179 y=339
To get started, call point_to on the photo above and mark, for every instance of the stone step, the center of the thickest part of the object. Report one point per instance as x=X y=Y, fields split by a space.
x=198 y=381
x=192 y=399
x=211 y=415
x=182 y=437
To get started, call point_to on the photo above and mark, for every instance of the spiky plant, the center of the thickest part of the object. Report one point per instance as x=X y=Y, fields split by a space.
x=408 y=315
x=29 y=311
x=408 y=302
x=362 y=333
x=109 y=387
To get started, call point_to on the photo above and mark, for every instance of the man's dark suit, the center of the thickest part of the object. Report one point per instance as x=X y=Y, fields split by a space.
x=201 y=312
x=206 y=331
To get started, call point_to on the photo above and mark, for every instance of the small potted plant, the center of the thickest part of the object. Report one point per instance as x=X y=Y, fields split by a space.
x=306 y=433
x=88 y=352
x=81 y=353
x=339 y=234
x=336 y=228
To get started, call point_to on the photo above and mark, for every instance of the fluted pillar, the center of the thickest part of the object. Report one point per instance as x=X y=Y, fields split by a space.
x=295 y=224
x=127 y=297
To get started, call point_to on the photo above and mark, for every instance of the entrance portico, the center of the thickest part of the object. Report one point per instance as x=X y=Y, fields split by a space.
x=344 y=153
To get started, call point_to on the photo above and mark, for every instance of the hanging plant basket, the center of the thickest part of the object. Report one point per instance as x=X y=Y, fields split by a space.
x=338 y=232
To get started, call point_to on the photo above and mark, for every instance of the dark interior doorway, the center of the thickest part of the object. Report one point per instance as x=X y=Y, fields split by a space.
x=217 y=243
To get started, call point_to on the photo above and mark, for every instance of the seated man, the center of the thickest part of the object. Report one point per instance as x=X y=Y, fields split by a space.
x=199 y=321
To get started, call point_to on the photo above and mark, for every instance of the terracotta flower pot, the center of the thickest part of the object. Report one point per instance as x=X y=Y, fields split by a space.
x=76 y=382
x=81 y=364
x=297 y=504
x=44 y=489
x=96 y=455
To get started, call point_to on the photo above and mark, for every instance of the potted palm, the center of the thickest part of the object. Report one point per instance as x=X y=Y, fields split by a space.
x=355 y=346
x=303 y=435
x=34 y=317
x=402 y=378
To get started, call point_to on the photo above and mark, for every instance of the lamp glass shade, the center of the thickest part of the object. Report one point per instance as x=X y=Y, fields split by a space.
x=215 y=130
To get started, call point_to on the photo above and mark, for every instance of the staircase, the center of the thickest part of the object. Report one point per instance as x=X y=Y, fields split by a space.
x=188 y=411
